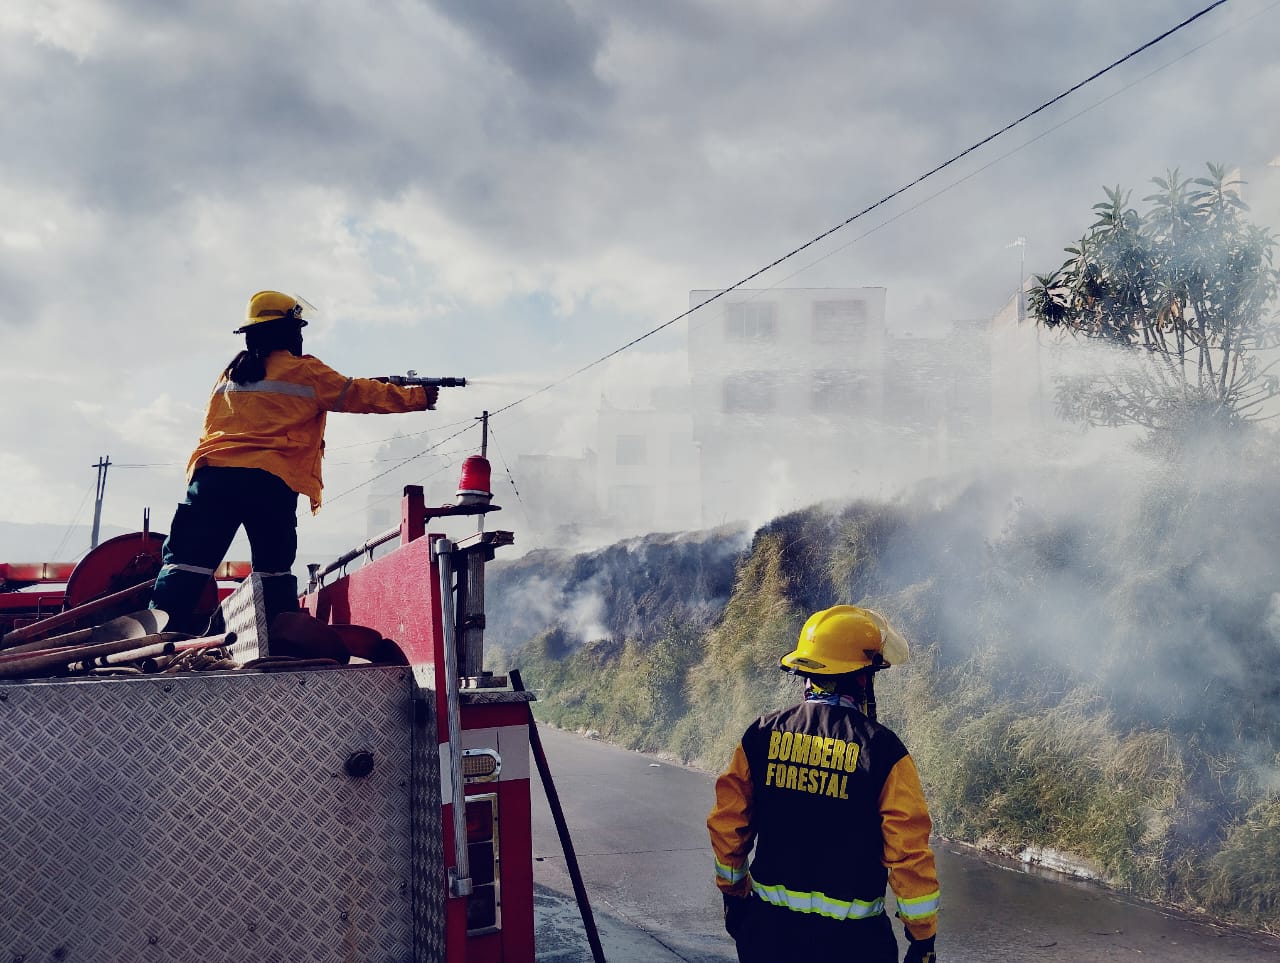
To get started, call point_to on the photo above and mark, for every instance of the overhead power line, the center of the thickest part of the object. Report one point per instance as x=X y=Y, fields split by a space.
x=510 y=477
x=820 y=237
x=1025 y=144
x=445 y=466
x=74 y=518
x=411 y=434
x=871 y=207
x=399 y=464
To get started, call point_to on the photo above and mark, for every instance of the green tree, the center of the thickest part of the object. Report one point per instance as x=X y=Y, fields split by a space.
x=1189 y=287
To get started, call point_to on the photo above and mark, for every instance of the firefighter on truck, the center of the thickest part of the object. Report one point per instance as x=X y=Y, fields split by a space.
x=261 y=447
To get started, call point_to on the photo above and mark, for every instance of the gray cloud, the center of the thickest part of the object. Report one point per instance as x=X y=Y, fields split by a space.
x=548 y=44
x=737 y=119
x=556 y=176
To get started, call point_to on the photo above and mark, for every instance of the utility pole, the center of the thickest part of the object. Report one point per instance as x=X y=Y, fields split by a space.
x=104 y=462
x=484 y=453
x=1021 y=245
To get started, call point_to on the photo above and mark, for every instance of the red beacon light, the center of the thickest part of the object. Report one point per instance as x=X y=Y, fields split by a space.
x=474 y=486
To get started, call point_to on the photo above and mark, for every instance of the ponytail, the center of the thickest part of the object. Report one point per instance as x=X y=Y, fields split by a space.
x=246 y=368
x=260 y=341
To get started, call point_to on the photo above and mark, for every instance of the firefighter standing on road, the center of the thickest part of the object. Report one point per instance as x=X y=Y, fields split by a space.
x=832 y=803
x=261 y=448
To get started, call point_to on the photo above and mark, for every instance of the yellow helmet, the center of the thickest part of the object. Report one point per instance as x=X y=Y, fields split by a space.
x=272 y=306
x=843 y=639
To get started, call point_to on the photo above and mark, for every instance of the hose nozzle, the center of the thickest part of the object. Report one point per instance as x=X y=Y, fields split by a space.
x=412 y=379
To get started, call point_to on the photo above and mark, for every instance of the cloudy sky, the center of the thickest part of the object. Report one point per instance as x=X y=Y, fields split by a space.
x=509 y=191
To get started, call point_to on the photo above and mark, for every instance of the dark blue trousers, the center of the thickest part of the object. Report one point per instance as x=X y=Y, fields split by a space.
x=219 y=501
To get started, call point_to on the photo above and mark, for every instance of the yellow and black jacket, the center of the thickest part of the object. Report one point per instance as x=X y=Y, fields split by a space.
x=832 y=803
x=277 y=424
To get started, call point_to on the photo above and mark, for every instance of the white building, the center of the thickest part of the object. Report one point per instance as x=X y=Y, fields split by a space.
x=1023 y=367
x=795 y=396
x=786 y=385
x=554 y=496
x=648 y=475
x=937 y=399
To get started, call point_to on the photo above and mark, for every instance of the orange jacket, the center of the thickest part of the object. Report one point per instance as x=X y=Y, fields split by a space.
x=839 y=813
x=277 y=424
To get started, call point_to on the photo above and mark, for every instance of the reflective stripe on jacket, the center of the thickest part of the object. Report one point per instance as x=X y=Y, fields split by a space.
x=833 y=805
x=277 y=424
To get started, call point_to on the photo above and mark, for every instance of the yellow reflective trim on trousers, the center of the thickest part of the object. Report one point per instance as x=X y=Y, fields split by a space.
x=820 y=903
x=920 y=907
x=731 y=873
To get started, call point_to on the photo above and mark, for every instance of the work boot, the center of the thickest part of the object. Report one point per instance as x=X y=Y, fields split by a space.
x=302 y=636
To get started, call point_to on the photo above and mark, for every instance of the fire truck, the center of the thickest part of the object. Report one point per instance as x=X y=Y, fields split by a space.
x=377 y=809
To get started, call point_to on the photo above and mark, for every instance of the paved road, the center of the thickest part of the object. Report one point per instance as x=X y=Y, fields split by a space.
x=638 y=827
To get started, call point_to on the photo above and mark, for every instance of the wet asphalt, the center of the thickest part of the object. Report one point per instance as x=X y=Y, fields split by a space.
x=637 y=825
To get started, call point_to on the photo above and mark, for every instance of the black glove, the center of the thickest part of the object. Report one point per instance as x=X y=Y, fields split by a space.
x=920 y=951
x=736 y=909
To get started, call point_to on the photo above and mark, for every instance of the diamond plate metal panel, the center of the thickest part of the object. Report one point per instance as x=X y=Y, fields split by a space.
x=244 y=612
x=210 y=818
x=430 y=881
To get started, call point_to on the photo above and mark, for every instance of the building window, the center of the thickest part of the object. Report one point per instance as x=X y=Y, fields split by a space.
x=750 y=392
x=837 y=390
x=630 y=450
x=838 y=322
x=751 y=321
